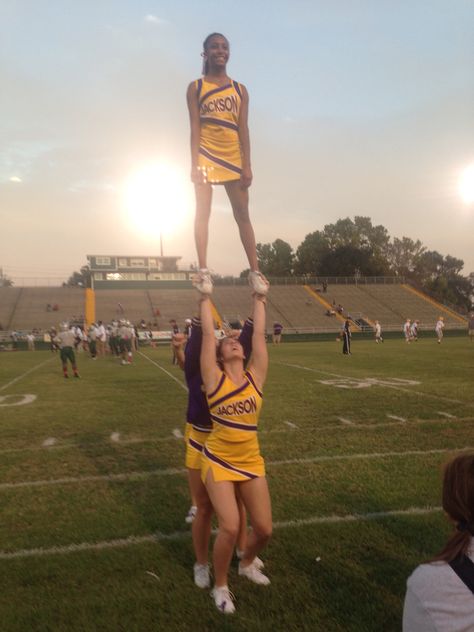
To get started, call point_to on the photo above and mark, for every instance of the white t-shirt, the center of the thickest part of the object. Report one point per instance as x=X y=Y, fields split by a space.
x=437 y=600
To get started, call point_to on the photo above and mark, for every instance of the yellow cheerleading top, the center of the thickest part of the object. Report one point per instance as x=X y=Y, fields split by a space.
x=232 y=451
x=220 y=156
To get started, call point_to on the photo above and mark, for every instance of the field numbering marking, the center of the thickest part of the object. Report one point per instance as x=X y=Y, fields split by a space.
x=447 y=415
x=290 y=424
x=28 y=398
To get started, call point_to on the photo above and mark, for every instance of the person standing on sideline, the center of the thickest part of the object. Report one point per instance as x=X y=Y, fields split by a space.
x=414 y=330
x=439 y=329
x=101 y=338
x=440 y=594
x=174 y=331
x=30 y=339
x=92 y=338
x=470 y=327
x=231 y=457
x=346 y=338
x=378 y=332
x=220 y=154
x=407 y=330
x=65 y=339
x=277 y=329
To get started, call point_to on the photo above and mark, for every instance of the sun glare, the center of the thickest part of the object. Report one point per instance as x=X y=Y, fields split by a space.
x=157 y=199
x=466 y=185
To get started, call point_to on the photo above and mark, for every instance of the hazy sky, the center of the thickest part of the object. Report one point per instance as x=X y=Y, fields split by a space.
x=357 y=107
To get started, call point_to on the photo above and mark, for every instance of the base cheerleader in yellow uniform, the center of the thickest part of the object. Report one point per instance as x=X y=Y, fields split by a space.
x=231 y=456
x=220 y=154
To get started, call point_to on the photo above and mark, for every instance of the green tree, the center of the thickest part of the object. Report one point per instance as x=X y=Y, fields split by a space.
x=345 y=260
x=80 y=279
x=5 y=281
x=310 y=253
x=275 y=259
x=404 y=256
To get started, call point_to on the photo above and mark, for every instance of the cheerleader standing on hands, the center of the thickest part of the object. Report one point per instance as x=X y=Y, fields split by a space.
x=220 y=154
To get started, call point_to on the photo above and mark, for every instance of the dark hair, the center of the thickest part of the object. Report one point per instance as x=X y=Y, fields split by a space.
x=205 y=44
x=458 y=503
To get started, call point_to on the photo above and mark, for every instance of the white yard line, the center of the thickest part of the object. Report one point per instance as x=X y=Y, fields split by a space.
x=447 y=415
x=20 y=377
x=345 y=421
x=290 y=424
x=68 y=446
x=184 y=535
x=182 y=384
x=396 y=418
x=136 y=476
x=392 y=386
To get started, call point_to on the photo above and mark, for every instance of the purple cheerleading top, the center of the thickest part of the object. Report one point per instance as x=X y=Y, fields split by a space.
x=198 y=411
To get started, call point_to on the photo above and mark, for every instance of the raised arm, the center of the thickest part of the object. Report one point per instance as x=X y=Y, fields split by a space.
x=195 y=122
x=259 y=362
x=209 y=370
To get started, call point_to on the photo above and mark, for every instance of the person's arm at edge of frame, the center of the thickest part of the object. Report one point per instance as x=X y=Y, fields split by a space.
x=245 y=339
x=259 y=363
x=209 y=370
x=244 y=138
x=195 y=123
x=192 y=352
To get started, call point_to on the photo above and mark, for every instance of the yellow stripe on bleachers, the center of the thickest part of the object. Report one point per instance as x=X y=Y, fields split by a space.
x=438 y=306
x=216 y=316
x=90 y=306
x=327 y=305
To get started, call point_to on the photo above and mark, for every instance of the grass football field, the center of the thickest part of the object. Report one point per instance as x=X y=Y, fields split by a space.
x=93 y=491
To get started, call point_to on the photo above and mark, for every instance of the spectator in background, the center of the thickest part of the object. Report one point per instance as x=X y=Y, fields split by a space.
x=414 y=330
x=174 y=331
x=346 y=338
x=439 y=329
x=92 y=338
x=277 y=329
x=470 y=327
x=440 y=593
x=30 y=339
x=407 y=330
x=325 y=286
x=14 y=339
x=101 y=338
x=378 y=332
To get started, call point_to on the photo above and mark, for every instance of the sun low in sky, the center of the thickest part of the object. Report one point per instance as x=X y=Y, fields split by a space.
x=157 y=199
x=466 y=184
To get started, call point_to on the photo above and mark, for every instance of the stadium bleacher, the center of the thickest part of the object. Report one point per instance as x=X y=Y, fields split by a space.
x=296 y=308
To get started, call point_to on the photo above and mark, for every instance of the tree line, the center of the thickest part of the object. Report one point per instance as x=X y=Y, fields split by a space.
x=357 y=247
